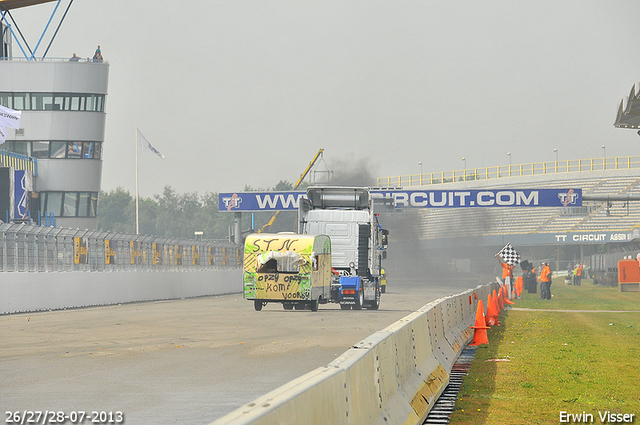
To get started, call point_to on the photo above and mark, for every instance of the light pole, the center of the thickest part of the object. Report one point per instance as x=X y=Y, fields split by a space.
x=420 y=164
x=604 y=157
x=464 y=171
x=556 y=151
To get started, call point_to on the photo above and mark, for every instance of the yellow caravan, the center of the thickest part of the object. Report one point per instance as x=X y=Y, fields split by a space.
x=287 y=268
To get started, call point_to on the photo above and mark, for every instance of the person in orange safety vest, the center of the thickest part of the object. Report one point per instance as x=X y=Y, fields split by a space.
x=507 y=273
x=545 y=282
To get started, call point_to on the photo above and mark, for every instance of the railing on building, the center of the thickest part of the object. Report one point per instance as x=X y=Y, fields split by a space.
x=517 y=170
x=49 y=249
x=19 y=162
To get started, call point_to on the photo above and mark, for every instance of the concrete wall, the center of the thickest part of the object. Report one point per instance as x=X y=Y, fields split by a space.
x=392 y=377
x=25 y=291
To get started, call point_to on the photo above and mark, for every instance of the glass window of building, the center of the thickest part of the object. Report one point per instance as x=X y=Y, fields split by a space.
x=90 y=103
x=52 y=203
x=53 y=101
x=74 y=150
x=66 y=103
x=21 y=101
x=87 y=149
x=22 y=148
x=36 y=102
x=97 y=151
x=75 y=103
x=93 y=204
x=58 y=149
x=58 y=103
x=70 y=204
x=40 y=149
x=84 y=199
x=8 y=146
x=6 y=99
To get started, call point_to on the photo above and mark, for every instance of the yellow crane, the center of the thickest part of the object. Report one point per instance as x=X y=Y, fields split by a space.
x=302 y=176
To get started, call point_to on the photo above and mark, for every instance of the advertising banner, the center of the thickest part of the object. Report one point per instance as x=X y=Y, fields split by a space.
x=80 y=250
x=178 y=255
x=596 y=237
x=156 y=254
x=136 y=255
x=289 y=201
x=195 y=255
x=22 y=187
x=109 y=251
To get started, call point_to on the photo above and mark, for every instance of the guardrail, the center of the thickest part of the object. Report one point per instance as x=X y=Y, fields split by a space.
x=31 y=248
x=518 y=170
x=394 y=376
x=19 y=162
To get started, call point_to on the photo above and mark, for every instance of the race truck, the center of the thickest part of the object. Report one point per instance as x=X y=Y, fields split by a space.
x=348 y=215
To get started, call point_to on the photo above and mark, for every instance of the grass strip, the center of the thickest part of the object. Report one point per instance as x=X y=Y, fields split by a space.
x=540 y=363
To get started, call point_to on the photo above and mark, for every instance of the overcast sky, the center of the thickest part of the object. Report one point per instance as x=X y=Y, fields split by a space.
x=238 y=93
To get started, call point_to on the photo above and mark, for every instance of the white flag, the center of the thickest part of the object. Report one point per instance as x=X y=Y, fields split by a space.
x=3 y=135
x=146 y=146
x=9 y=117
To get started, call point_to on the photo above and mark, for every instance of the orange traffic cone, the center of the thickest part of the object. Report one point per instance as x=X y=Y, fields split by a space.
x=480 y=328
x=501 y=298
x=492 y=312
x=496 y=303
x=508 y=301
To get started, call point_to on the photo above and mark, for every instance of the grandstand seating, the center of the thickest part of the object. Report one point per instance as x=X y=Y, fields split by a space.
x=593 y=216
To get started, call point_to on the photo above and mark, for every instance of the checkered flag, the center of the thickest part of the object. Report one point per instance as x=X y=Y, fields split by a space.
x=509 y=255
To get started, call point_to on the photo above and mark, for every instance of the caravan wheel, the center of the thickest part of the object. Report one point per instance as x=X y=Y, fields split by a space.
x=314 y=305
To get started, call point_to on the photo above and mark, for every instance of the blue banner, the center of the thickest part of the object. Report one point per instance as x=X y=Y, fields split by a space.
x=288 y=201
x=21 y=193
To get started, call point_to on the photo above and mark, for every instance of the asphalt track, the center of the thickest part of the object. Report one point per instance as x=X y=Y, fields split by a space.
x=182 y=361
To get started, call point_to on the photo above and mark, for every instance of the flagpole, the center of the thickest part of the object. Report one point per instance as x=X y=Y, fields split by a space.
x=137 y=226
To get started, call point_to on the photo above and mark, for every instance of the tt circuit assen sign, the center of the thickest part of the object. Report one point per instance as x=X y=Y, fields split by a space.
x=288 y=201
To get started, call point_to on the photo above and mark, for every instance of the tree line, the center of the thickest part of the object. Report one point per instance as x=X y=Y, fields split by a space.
x=174 y=215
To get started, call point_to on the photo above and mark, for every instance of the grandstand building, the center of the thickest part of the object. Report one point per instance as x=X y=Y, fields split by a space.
x=63 y=125
x=604 y=229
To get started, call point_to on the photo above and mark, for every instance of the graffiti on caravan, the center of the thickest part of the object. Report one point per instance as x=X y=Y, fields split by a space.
x=289 y=201
x=483 y=198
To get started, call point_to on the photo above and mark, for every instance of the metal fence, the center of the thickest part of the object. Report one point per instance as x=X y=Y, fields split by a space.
x=33 y=248
x=515 y=170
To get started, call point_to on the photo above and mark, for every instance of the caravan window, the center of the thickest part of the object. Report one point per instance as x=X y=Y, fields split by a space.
x=289 y=265
x=279 y=262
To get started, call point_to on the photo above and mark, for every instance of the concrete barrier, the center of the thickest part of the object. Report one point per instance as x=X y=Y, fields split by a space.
x=392 y=377
x=26 y=291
